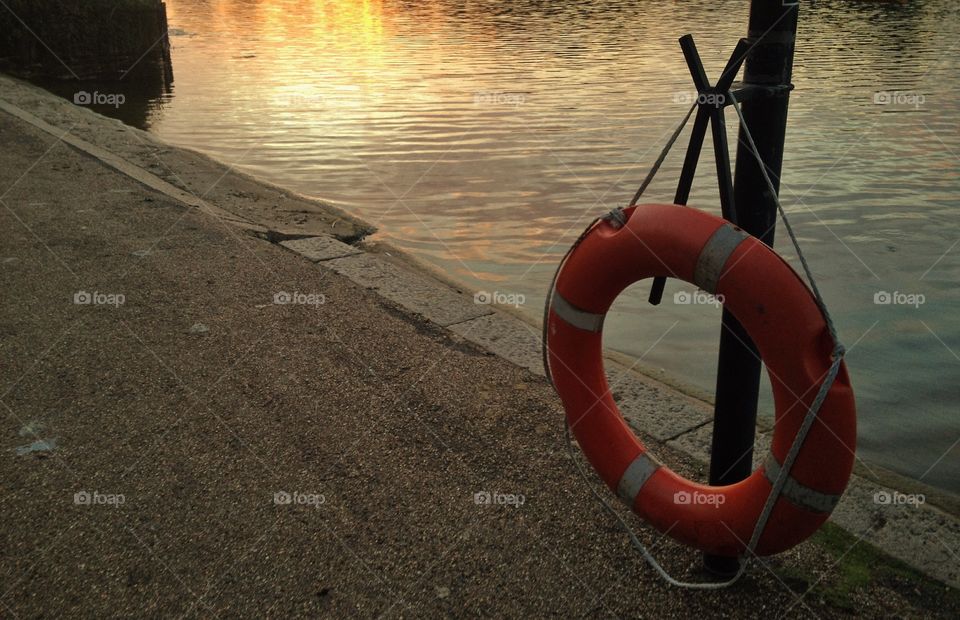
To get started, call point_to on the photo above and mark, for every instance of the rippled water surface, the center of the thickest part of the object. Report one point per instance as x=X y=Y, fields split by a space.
x=482 y=136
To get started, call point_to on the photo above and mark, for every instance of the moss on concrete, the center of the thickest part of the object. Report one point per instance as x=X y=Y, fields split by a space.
x=859 y=568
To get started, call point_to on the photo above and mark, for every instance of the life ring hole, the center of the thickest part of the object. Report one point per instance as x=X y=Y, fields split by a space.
x=665 y=343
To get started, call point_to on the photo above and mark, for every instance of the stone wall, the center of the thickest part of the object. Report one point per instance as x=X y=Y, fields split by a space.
x=85 y=39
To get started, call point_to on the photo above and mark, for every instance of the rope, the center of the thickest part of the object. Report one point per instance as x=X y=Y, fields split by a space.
x=838 y=349
x=786 y=222
x=617 y=217
x=663 y=156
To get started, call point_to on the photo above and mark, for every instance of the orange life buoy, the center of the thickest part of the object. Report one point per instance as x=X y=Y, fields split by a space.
x=781 y=316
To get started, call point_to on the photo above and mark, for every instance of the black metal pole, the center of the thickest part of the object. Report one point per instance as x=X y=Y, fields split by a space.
x=769 y=63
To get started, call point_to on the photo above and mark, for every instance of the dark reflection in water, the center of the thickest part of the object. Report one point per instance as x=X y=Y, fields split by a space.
x=482 y=136
x=144 y=96
x=113 y=59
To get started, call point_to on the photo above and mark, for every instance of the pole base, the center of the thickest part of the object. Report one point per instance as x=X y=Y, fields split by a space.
x=720 y=566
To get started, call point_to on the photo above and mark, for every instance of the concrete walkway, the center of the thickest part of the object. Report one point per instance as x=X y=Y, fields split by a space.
x=200 y=421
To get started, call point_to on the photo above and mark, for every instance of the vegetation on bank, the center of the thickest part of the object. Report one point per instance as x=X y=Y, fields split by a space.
x=858 y=570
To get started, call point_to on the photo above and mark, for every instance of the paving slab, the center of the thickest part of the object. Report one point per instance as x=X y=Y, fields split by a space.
x=902 y=525
x=320 y=248
x=653 y=408
x=509 y=337
x=697 y=443
x=417 y=292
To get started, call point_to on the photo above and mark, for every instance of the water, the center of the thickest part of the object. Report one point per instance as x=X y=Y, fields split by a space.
x=483 y=136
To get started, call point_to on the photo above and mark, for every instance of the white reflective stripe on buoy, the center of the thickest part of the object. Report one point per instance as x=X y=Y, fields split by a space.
x=575 y=316
x=635 y=476
x=798 y=494
x=714 y=256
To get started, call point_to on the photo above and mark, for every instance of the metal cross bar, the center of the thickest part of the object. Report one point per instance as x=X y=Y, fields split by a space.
x=710 y=103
